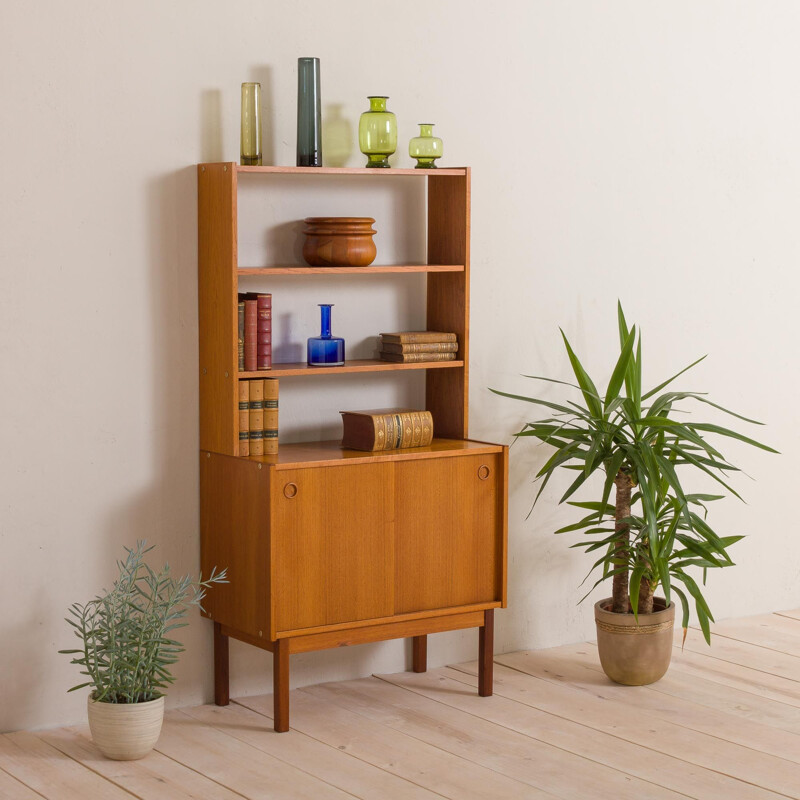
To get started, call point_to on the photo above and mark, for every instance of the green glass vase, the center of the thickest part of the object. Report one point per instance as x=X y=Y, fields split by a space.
x=377 y=133
x=250 y=151
x=426 y=147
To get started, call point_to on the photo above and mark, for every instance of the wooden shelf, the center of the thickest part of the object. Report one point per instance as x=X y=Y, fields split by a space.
x=310 y=454
x=355 y=365
x=244 y=272
x=380 y=173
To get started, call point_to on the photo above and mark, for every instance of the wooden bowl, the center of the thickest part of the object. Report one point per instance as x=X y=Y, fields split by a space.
x=339 y=241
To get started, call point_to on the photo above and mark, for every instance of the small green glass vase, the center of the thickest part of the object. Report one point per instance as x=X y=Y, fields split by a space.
x=377 y=133
x=426 y=147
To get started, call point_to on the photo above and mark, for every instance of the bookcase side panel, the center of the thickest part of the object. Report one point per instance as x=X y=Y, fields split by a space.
x=217 y=318
x=234 y=534
x=447 y=391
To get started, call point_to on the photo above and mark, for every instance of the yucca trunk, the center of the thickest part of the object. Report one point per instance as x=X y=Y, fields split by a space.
x=619 y=593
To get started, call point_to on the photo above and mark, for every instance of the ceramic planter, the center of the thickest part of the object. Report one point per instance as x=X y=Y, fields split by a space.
x=634 y=653
x=126 y=731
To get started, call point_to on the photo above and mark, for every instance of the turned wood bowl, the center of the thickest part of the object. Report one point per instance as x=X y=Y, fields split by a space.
x=339 y=241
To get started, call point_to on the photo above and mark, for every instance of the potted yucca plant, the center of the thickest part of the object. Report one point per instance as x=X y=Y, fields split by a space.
x=126 y=651
x=655 y=534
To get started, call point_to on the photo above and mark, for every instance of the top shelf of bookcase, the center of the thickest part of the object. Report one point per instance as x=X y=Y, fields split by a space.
x=384 y=173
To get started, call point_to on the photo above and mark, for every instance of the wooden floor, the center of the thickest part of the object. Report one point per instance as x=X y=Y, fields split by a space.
x=724 y=723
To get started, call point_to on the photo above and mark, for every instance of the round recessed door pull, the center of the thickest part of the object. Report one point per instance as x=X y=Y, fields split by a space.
x=290 y=490
x=483 y=472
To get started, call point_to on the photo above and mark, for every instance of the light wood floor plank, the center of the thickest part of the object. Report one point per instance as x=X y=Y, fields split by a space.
x=328 y=763
x=52 y=774
x=12 y=789
x=747 y=765
x=771 y=631
x=793 y=614
x=579 y=666
x=761 y=659
x=707 y=693
x=239 y=766
x=456 y=688
x=154 y=777
x=728 y=673
x=528 y=760
x=396 y=752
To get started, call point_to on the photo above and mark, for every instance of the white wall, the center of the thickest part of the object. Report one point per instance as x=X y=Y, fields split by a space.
x=641 y=150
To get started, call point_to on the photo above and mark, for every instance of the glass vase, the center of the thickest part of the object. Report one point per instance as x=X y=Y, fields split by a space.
x=426 y=147
x=251 y=125
x=325 y=350
x=377 y=133
x=309 y=115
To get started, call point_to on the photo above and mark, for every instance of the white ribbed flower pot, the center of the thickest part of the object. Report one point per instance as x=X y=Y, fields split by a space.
x=123 y=731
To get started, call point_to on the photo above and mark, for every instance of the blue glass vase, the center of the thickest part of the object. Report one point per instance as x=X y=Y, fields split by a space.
x=325 y=350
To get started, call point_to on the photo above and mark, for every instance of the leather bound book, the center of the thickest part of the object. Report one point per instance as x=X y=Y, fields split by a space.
x=250 y=335
x=386 y=429
x=416 y=358
x=420 y=347
x=241 y=335
x=257 y=418
x=264 y=331
x=417 y=337
x=244 y=418
x=270 y=416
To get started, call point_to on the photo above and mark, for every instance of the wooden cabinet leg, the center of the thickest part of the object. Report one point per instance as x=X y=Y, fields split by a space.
x=221 y=667
x=420 y=653
x=280 y=685
x=486 y=654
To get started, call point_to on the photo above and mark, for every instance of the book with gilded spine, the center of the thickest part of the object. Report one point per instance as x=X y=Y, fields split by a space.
x=270 y=416
x=408 y=358
x=256 y=417
x=420 y=347
x=250 y=335
x=244 y=418
x=417 y=337
x=240 y=325
x=386 y=429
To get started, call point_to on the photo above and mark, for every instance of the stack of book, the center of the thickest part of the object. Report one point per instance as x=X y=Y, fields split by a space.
x=258 y=417
x=416 y=346
x=255 y=332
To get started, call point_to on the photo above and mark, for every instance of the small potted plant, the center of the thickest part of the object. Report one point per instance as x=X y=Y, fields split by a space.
x=655 y=533
x=126 y=652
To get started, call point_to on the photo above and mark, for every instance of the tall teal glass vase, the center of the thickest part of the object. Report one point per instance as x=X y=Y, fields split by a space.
x=377 y=132
x=309 y=115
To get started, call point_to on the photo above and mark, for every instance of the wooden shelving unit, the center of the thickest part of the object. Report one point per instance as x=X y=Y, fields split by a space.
x=326 y=546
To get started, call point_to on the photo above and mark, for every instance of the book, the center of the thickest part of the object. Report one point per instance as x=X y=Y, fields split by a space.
x=250 y=335
x=420 y=347
x=408 y=358
x=386 y=429
x=416 y=337
x=256 y=417
x=241 y=335
x=270 y=416
x=244 y=418
x=264 y=331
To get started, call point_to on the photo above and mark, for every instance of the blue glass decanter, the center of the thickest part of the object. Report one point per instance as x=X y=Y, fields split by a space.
x=325 y=350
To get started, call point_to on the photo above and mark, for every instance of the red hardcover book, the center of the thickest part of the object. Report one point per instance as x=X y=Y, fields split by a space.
x=250 y=335
x=264 y=340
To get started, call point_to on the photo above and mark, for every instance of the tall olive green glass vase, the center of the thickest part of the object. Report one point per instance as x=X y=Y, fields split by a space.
x=251 y=125
x=377 y=133
x=426 y=147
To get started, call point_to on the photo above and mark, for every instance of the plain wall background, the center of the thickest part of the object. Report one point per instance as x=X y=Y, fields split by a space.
x=638 y=150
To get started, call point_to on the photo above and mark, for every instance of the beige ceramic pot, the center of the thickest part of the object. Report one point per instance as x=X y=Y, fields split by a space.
x=126 y=731
x=635 y=653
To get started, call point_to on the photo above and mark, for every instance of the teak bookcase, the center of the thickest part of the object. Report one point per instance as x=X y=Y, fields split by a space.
x=327 y=547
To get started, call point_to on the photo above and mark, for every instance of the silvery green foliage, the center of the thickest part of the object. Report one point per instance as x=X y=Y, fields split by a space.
x=126 y=651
